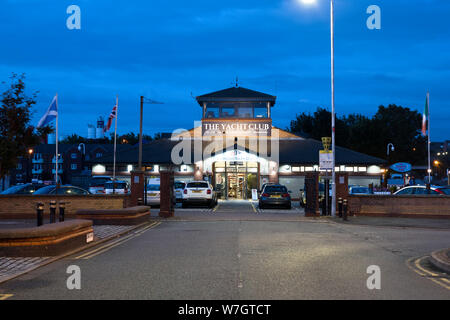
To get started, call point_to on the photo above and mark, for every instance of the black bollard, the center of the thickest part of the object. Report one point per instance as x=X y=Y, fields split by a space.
x=345 y=209
x=62 y=207
x=52 y=211
x=40 y=213
x=340 y=207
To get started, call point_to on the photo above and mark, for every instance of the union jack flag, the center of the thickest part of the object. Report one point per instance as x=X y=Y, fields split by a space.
x=110 y=119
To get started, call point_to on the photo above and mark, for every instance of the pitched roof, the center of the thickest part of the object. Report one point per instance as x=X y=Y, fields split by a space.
x=291 y=151
x=236 y=94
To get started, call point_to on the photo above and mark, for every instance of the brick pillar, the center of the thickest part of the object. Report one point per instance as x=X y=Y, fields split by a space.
x=137 y=187
x=341 y=188
x=166 y=194
x=312 y=194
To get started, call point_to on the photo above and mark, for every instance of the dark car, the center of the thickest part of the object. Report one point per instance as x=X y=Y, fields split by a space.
x=275 y=195
x=62 y=190
x=420 y=190
x=27 y=188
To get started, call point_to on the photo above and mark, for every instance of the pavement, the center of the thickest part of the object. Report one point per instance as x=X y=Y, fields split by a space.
x=12 y=267
x=237 y=253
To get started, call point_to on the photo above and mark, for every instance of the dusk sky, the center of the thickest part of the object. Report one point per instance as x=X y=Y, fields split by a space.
x=168 y=50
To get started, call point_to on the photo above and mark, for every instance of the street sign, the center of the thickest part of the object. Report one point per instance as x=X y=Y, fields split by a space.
x=401 y=167
x=325 y=160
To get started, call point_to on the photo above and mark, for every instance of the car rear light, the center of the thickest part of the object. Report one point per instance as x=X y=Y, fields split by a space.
x=208 y=191
x=185 y=191
x=265 y=194
x=286 y=195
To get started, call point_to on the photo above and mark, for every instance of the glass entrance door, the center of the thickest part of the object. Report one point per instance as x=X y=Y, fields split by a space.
x=235 y=180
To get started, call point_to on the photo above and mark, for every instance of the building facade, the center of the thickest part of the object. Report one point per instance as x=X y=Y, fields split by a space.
x=236 y=148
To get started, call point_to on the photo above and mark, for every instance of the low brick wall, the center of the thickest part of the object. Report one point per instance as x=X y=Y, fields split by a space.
x=400 y=206
x=47 y=240
x=126 y=216
x=24 y=206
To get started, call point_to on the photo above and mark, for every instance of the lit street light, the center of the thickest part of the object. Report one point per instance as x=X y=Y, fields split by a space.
x=333 y=126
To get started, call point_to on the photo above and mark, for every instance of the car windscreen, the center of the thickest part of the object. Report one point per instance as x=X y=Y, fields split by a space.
x=197 y=185
x=179 y=185
x=273 y=189
x=14 y=189
x=153 y=187
x=117 y=185
x=44 y=190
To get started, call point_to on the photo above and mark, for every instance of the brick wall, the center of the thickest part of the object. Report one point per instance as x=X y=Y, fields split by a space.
x=24 y=206
x=400 y=206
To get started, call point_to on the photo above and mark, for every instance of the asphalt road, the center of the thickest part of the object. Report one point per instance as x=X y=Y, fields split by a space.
x=243 y=259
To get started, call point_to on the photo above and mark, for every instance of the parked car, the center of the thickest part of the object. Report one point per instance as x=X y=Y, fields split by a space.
x=199 y=192
x=359 y=190
x=62 y=190
x=153 y=194
x=275 y=195
x=27 y=188
x=97 y=184
x=411 y=190
x=179 y=187
x=117 y=187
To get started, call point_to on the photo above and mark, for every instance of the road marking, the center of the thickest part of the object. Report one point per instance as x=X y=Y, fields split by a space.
x=115 y=243
x=414 y=264
x=5 y=296
x=254 y=210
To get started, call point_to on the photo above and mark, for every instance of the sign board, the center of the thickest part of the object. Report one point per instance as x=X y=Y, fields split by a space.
x=89 y=237
x=401 y=167
x=245 y=128
x=254 y=194
x=325 y=160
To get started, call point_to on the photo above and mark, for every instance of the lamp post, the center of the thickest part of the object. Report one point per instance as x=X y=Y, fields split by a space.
x=392 y=148
x=333 y=120
x=29 y=165
x=149 y=101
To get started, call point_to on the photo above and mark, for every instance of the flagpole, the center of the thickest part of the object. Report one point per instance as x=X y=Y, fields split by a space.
x=56 y=155
x=429 y=139
x=115 y=138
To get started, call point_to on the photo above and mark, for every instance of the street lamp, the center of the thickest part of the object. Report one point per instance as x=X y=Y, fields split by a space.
x=333 y=120
x=148 y=101
x=391 y=148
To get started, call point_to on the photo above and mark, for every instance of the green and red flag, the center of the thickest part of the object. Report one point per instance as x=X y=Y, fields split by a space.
x=425 y=118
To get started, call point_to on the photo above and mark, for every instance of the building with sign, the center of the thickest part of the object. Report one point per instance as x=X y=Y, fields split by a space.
x=237 y=148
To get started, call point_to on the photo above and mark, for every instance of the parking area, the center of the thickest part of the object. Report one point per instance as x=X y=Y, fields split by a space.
x=236 y=210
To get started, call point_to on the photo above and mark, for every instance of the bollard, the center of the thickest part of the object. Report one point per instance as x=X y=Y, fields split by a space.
x=345 y=209
x=62 y=207
x=52 y=211
x=340 y=207
x=324 y=207
x=40 y=213
x=140 y=202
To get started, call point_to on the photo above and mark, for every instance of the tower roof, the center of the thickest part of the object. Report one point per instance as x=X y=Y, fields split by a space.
x=236 y=94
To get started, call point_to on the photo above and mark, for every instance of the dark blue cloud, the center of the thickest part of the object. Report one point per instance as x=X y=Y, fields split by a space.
x=167 y=50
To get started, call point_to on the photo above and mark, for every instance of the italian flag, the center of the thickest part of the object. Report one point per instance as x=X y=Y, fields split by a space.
x=425 y=118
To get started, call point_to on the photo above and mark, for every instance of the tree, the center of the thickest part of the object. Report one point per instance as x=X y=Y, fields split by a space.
x=16 y=134
x=73 y=139
x=392 y=124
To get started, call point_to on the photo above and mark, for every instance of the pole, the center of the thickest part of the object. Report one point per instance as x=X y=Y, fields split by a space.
x=333 y=142
x=115 y=145
x=429 y=139
x=140 y=135
x=57 y=153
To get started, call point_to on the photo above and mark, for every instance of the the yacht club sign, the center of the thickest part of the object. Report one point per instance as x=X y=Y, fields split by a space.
x=249 y=128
